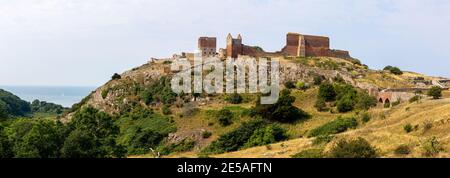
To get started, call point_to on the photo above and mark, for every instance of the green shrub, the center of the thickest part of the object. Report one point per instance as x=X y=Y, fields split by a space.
x=365 y=117
x=301 y=85
x=402 y=150
x=327 y=92
x=414 y=99
x=289 y=84
x=396 y=103
x=393 y=70
x=206 y=134
x=408 y=128
x=310 y=153
x=435 y=92
x=234 y=98
x=431 y=147
x=234 y=140
x=321 y=139
x=341 y=124
x=225 y=117
x=282 y=111
x=105 y=93
x=166 y=110
x=365 y=101
x=345 y=104
x=357 y=148
x=45 y=107
x=321 y=105
x=266 y=135
x=116 y=76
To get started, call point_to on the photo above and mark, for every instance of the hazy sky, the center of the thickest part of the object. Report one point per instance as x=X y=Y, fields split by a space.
x=83 y=42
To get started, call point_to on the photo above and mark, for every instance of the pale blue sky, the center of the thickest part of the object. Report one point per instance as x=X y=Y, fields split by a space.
x=83 y=42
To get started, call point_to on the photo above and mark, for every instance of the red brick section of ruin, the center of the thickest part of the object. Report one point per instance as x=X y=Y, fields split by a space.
x=314 y=46
x=234 y=49
x=209 y=42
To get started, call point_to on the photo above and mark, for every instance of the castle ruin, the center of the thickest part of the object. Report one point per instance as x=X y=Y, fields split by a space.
x=297 y=45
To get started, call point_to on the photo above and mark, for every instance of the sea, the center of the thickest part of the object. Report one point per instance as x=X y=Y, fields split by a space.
x=62 y=95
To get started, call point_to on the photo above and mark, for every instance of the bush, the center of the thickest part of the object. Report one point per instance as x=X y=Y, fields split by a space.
x=116 y=76
x=365 y=101
x=427 y=125
x=92 y=135
x=321 y=105
x=310 y=153
x=365 y=117
x=44 y=107
x=327 y=92
x=345 y=104
x=282 y=111
x=166 y=110
x=435 y=92
x=414 y=99
x=234 y=140
x=266 y=135
x=431 y=147
x=234 y=98
x=206 y=134
x=334 y=127
x=225 y=116
x=301 y=85
x=393 y=70
x=357 y=148
x=396 y=103
x=387 y=105
x=402 y=150
x=322 y=139
x=289 y=84
x=408 y=128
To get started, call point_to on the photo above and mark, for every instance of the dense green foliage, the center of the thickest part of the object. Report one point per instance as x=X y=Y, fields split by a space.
x=45 y=107
x=142 y=129
x=11 y=105
x=251 y=133
x=347 y=98
x=224 y=116
x=435 y=92
x=357 y=148
x=92 y=134
x=327 y=92
x=158 y=91
x=184 y=145
x=282 y=111
x=339 y=125
x=393 y=70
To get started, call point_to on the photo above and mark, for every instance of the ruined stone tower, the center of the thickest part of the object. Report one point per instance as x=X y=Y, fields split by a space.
x=207 y=46
x=234 y=46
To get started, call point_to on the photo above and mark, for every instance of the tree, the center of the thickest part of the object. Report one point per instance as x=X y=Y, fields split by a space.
x=5 y=145
x=282 y=111
x=365 y=101
x=327 y=92
x=358 y=148
x=116 y=76
x=225 y=117
x=393 y=70
x=92 y=134
x=435 y=92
